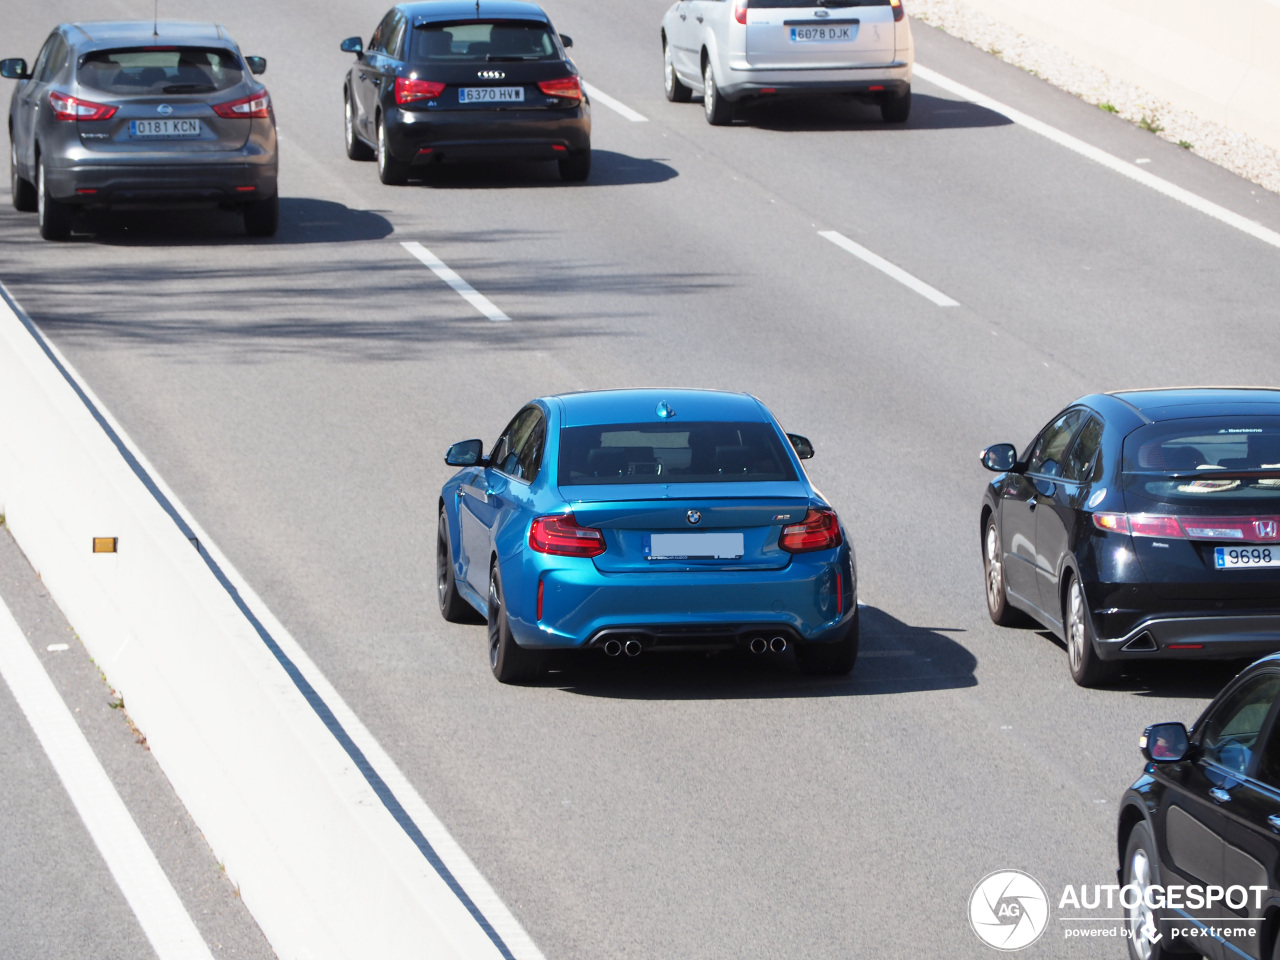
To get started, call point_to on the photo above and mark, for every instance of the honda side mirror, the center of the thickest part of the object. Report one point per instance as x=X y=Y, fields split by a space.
x=1000 y=457
x=1165 y=743
x=353 y=45
x=467 y=453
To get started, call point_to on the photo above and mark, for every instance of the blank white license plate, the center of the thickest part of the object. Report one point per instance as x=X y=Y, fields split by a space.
x=1236 y=558
x=822 y=34
x=491 y=94
x=693 y=546
x=169 y=129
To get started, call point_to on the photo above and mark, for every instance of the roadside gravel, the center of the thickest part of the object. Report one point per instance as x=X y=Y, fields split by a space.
x=1228 y=148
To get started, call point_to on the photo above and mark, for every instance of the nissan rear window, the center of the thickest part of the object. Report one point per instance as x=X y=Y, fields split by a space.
x=696 y=452
x=503 y=40
x=1212 y=460
x=160 y=70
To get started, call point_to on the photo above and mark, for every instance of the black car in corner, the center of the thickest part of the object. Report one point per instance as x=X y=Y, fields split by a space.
x=1141 y=524
x=448 y=80
x=1199 y=832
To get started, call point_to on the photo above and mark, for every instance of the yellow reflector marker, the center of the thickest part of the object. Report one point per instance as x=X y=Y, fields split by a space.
x=104 y=544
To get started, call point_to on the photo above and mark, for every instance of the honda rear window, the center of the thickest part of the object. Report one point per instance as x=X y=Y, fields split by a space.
x=505 y=40
x=668 y=452
x=1205 y=460
x=161 y=70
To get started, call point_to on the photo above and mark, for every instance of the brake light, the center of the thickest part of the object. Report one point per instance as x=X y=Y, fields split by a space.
x=839 y=592
x=257 y=105
x=740 y=11
x=73 y=108
x=567 y=87
x=898 y=12
x=540 y=586
x=819 y=530
x=1240 y=529
x=408 y=89
x=561 y=536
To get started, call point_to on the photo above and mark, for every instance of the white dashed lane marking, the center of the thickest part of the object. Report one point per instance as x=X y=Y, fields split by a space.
x=464 y=289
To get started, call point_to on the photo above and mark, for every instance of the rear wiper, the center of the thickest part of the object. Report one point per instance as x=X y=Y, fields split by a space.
x=534 y=56
x=190 y=88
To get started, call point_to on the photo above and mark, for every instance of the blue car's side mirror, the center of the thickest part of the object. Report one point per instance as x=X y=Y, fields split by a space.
x=353 y=45
x=15 y=69
x=467 y=453
x=804 y=449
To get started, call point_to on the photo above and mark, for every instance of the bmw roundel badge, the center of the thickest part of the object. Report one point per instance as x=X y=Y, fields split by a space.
x=694 y=516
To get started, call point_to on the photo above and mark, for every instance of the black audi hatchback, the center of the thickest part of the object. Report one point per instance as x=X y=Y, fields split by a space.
x=447 y=80
x=1141 y=524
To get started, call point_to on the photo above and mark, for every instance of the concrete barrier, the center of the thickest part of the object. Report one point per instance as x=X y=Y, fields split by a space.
x=319 y=859
x=1219 y=60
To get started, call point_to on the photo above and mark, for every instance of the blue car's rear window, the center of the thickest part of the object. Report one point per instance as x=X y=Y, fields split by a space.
x=670 y=452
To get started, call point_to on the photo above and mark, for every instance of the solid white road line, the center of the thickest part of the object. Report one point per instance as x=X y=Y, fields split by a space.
x=597 y=94
x=1111 y=162
x=466 y=290
x=883 y=265
x=161 y=914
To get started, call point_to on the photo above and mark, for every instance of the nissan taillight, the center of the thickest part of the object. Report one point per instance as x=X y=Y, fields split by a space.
x=563 y=536
x=409 y=89
x=568 y=88
x=256 y=105
x=819 y=530
x=74 y=108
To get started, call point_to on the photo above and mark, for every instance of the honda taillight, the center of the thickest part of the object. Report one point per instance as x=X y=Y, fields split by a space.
x=819 y=530
x=257 y=105
x=73 y=108
x=408 y=89
x=740 y=11
x=898 y=12
x=562 y=536
x=567 y=87
x=1240 y=529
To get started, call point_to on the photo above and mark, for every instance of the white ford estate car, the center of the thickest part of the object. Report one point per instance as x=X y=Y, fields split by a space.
x=735 y=50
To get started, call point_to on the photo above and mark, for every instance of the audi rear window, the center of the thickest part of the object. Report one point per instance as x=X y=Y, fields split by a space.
x=160 y=70
x=1218 y=459
x=697 y=452
x=498 y=41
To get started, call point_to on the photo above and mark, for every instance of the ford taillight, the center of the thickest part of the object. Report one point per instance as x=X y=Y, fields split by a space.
x=257 y=105
x=562 y=536
x=819 y=530
x=409 y=89
x=74 y=108
x=898 y=12
x=568 y=88
x=740 y=10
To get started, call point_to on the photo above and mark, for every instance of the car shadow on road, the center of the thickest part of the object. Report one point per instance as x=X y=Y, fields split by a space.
x=840 y=113
x=608 y=169
x=894 y=657
x=302 y=220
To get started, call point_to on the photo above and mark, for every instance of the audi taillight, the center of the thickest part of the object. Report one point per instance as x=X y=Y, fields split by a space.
x=563 y=536
x=898 y=12
x=408 y=89
x=819 y=530
x=256 y=105
x=740 y=11
x=73 y=108
x=567 y=87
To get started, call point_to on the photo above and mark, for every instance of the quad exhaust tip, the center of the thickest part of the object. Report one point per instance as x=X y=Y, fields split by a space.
x=632 y=648
x=612 y=648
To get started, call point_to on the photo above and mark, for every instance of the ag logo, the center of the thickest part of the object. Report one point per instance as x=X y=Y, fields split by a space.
x=1008 y=910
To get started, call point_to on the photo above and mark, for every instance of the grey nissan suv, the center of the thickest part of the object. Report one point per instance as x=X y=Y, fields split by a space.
x=141 y=114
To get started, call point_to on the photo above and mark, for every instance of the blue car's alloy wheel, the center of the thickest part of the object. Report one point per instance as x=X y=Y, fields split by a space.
x=452 y=607
x=830 y=659
x=510 y=662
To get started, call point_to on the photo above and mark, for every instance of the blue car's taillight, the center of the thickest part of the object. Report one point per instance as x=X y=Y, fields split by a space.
x=819 y=530
x=562 y=536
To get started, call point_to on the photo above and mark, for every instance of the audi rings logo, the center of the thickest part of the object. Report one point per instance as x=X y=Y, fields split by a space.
x=694 y=516
x=164 y=109
x=491 y=75
x=1008 y=910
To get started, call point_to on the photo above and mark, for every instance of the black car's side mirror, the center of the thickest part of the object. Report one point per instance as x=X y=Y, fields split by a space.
x=14 y=69
x=256 y=65
x=566 y=40
x=353 y=45
x=1165 y=743
x=804 y=449
x=1000 y=457
x=468 y=453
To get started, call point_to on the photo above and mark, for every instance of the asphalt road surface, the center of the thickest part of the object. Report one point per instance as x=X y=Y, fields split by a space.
x=298 y=395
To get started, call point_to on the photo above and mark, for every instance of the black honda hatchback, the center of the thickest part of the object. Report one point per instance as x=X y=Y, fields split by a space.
x=446 y=80
x=1141 y=524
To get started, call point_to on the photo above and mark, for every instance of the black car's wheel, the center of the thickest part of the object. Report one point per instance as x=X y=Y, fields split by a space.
x=510 y=662
x=998 y=606
x=452 y=607
x=896 y=109
x=1087 y=668
x=262 y=217
x=21 y=189
x=390 y=170
x=357 y=149
x=576 y=167
x=676 y=91
x=1141 y=869
x=719 y=110
x=830 y=659
x=55 y=216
